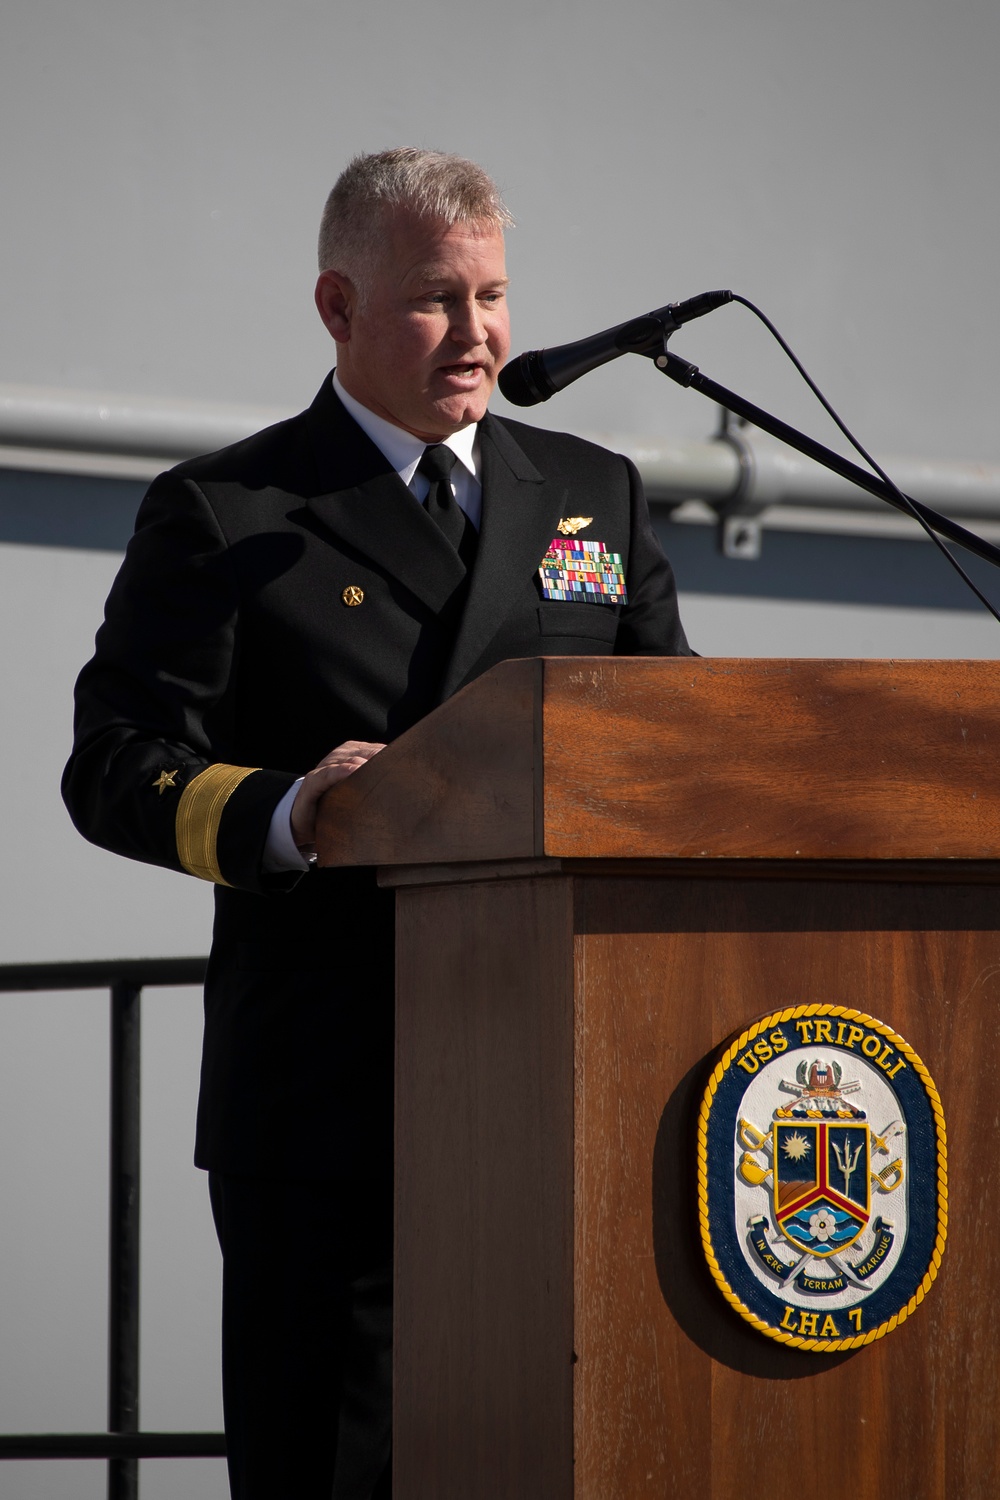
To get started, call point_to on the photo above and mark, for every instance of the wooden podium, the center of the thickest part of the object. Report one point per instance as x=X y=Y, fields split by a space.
x=604 y=867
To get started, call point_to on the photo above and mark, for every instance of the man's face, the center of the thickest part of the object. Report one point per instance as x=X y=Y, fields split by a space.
x=425 y=347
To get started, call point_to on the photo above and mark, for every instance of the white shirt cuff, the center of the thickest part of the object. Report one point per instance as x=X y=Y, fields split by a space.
x=280 y=853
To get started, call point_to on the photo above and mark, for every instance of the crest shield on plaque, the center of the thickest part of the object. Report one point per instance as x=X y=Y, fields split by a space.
x=822 y=1195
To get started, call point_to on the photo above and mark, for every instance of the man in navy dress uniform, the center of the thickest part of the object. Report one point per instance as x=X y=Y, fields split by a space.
x=323 y=584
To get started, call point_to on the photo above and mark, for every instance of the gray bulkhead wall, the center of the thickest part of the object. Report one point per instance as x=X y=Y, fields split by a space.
x=163 y=170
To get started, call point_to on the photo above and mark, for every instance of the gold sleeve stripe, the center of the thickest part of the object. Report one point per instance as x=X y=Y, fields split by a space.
x=199 y=813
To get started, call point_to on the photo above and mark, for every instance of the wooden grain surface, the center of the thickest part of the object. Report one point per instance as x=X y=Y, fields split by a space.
x=484 y=1174
x=772 y=759
x=676 y=1396
x=651 y=758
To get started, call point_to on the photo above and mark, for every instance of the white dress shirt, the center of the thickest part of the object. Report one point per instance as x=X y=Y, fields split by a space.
x=403 y=451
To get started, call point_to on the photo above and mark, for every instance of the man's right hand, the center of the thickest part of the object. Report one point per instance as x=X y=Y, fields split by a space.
x=348 y=757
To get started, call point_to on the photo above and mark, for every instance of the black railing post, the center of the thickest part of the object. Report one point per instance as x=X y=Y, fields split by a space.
x=123 y=1279
x=123 y=1444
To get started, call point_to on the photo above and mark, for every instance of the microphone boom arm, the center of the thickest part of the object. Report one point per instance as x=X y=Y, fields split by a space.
x=686 y=374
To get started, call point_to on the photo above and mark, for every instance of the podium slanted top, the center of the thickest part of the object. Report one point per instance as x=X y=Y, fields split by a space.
x=686 y=758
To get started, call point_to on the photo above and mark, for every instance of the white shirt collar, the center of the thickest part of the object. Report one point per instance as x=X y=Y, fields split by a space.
x=401 y=448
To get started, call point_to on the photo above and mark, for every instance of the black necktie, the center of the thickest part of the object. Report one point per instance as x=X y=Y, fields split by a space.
x=436 y=465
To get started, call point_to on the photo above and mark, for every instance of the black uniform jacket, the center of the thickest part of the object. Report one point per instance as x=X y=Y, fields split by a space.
x=229 y=664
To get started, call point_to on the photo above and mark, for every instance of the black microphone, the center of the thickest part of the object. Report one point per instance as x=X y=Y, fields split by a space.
x=537 y=375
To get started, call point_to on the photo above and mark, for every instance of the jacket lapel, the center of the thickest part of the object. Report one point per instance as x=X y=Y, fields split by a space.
x=521 y=510
x=364 y=504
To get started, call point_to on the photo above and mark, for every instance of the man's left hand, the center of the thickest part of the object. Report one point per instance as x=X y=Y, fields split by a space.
x=348 y=757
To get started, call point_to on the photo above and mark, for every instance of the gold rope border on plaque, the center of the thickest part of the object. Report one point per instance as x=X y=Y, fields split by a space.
x=796 y=1341
x=199 y=813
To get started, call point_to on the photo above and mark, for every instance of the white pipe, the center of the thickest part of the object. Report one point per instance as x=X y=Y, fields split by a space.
x=97 y=422
x=711 y=471
x=86 y=423
x=782 y=476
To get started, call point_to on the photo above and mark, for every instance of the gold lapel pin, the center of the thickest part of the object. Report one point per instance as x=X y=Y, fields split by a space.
x=164 y=780
x=570 y=525
x=353 y=595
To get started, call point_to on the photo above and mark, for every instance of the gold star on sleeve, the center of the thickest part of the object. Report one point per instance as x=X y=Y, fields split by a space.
x=164 y=780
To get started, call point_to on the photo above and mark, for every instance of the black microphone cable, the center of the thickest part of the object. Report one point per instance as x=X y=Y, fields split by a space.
x=905 y=500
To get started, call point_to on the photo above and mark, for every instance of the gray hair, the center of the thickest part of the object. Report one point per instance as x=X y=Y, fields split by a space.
x=431 y=184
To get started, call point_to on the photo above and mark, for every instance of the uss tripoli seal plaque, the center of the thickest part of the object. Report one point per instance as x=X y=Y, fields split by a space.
x=822 y=1177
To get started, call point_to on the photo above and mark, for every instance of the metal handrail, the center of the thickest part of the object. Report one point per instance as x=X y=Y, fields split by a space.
x=99 y=974
x=123 y=1445
x=86 y=431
